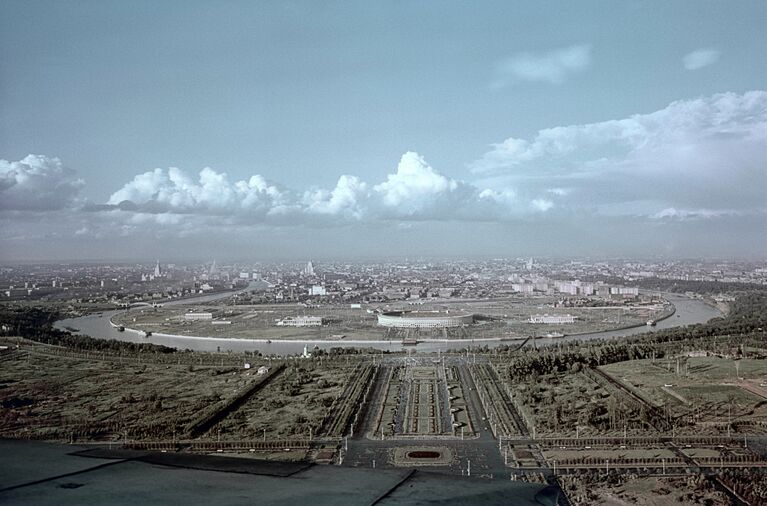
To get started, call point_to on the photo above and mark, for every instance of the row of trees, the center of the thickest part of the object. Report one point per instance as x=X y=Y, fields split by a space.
x=744 y=325
x=36 y=323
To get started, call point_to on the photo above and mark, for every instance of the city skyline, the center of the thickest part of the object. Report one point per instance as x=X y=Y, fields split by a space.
x=303 y=131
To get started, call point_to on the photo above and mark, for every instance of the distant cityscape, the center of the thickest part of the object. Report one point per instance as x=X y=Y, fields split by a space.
x=121 y=283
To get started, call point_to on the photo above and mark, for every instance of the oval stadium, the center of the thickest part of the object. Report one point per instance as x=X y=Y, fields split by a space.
x=424 y=319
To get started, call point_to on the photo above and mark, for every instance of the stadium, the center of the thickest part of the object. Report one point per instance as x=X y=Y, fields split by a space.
x=424 y=319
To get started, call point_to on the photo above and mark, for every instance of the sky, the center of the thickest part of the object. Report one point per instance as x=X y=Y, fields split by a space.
x=286 y=130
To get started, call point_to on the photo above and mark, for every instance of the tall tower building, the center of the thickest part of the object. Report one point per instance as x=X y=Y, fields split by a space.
x=157 y=272
x=309 y=269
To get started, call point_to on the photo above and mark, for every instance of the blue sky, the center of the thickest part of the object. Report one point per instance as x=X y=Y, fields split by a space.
x=377 y=128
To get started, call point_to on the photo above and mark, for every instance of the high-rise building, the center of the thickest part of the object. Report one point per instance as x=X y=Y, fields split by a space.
x=157 y=272
x=309 y=269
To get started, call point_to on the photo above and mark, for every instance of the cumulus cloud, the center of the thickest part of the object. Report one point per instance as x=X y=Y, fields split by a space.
x=693 y=163
x=693 y=154
x=347 y=199
x=700 y=58
x=550 y=67
x=413 y=182
x=415 y=191
x=37 y=183
x=171 y=190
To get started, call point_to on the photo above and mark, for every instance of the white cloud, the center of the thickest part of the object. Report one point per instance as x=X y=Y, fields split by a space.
x=542 y=205
x=671 y=213
x=697 y=162
x=693 y=154
x=37 y=183
x=550 y=67
x=413 y=181
x=173 y=191
x=416 y=190
x=700 y=58
x=346 y=199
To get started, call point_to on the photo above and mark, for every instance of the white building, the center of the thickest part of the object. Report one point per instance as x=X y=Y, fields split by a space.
x=551 y=319
x=308 y=270
x=317 y=290
x=424 y=319
x=568 y=288
x=198 y=316
x=523 y=287
x=300 y=321
x=624 y=291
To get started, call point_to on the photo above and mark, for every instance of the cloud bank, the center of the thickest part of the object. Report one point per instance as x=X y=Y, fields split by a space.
x=414 y=192
x=693 y=167
x=172 y=191
x=706 y=153
x=37 y=183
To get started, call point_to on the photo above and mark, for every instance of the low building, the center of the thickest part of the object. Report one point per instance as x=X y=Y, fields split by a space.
x=424 y=319
x=624 y=291
x=523 y=287
x=300 y=321
x=198 y=316
x=551 y=319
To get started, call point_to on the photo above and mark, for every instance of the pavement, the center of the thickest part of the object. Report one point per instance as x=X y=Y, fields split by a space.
x=478 y=456
x=35 y=473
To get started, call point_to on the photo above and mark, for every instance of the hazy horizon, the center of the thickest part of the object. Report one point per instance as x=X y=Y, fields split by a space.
x=296 y=130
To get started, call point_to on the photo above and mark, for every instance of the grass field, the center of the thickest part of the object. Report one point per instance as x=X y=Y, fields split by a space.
x=509 y=316
x=53 y=397
x=706 y=390
x=291 y=405
x=565 y=405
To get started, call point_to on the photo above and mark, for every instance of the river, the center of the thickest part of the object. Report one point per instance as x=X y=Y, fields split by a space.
x=688 y=311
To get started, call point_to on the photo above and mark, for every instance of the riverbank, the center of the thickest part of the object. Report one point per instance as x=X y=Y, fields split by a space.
x=627 y=327
x=688 y=311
